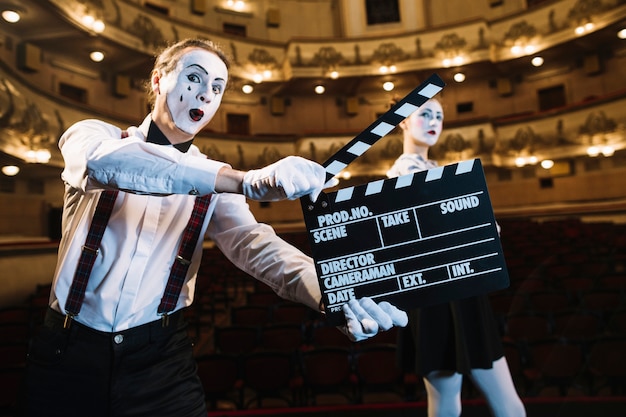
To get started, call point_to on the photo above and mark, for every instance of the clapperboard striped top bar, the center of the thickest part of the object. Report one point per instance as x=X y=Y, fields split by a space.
x=383 y=125
x=376 y=187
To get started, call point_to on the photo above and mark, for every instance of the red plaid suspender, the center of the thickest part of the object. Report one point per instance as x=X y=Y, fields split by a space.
x=89 y=253
x=183 y=259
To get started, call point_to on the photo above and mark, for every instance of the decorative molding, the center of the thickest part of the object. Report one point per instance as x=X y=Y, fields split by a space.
x=520 y=30
x=451 y=43
x=269 y=155
x=583 y=10
x=145 y=29
x=327 y=57
x=388 y=53
x=597 y=123
x=261 y=58
x=212 y=152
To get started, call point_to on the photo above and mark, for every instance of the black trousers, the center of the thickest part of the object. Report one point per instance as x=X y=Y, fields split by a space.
x=145 y=371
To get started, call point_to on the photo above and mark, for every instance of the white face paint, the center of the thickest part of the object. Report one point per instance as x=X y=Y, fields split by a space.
x=194 y=89
x=426 y=123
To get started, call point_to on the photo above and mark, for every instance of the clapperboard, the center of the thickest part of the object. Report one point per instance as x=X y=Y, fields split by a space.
x=415 y=240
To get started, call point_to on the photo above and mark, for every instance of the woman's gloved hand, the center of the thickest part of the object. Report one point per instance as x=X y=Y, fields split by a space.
x=365 y=318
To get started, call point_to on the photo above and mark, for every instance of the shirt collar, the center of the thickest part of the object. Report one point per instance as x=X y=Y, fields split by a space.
x=156 y=136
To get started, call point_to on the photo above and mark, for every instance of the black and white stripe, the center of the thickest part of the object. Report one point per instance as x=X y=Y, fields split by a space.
x=383 y=125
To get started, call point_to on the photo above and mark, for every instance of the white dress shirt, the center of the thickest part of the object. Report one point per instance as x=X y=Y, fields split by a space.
x=408 y=163
x=143 y=234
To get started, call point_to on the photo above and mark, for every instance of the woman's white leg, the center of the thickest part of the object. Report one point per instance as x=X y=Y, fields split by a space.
x=443 y=389
x=498 y=389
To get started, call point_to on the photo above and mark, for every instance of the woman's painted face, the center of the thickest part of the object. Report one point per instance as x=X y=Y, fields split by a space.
x=426 y=123
x=194 y=89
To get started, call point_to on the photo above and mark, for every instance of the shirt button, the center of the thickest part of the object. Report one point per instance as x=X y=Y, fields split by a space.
x=118 y=338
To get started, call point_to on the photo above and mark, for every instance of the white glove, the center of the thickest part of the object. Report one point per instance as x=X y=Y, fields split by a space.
x=364 y=318
x=290 y=178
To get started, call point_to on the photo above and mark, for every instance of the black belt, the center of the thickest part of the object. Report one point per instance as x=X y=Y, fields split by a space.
x=136 y=335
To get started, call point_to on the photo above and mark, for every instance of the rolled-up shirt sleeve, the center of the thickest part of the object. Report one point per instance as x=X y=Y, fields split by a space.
x=257 y=250
x=96 y=157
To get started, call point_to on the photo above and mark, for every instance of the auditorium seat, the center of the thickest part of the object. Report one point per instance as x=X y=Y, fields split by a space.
x=528 y=326
x=221 y=378
x=236 y=339
x=556 y=362
x=250 y=315
x=606 y=365
x=291 y=312
x=271 y=375
x=578 y=324
x=328 y=372
x=285 y=337
x=377 y=371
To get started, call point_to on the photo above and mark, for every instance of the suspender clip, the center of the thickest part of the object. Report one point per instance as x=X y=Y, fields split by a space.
x=68 y=320
x=165 y=320
x=88 y=249
x=182 y=260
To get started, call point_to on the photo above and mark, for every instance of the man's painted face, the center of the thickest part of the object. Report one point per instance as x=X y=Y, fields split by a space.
x=194 y=89
x=426 y=123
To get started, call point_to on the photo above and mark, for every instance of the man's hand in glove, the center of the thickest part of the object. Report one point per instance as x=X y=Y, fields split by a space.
x=290 y=178
x=365 y=318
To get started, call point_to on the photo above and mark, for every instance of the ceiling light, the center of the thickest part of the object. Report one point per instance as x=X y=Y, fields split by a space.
x=334 y=75
x=11 y=16
x=92 y=23
x=593 y=151
x=388 y=86
x=537 y=61
x=547 y=163
x=459 y=77
x=385 y=69
x=40 y=156
x=257 y=78
x=267 y=74
x=319 y=89
x=96 y=56
x=88 y=20
x=10 y=170
x=607 y=150
x=247 y=89
x=98 y=26
x=622 y=34
x=238 y=5
x=520 y=161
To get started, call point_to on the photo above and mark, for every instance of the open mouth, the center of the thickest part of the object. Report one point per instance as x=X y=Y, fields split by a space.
x=196 y=114
x=432 y=132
